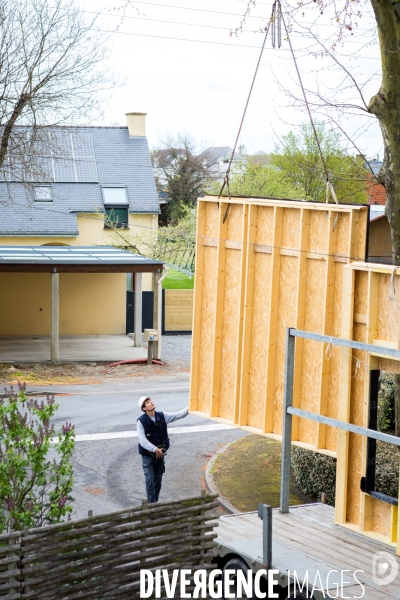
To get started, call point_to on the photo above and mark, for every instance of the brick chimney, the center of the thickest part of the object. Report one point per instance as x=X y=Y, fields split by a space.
x=136 y=124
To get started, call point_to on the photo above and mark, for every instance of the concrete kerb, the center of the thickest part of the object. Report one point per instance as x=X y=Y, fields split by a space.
x=210 y=485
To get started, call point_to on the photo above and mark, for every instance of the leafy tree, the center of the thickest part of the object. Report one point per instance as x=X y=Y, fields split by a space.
x=182 y=174
x=259 y=180
x=297 y=156
x=35 y=477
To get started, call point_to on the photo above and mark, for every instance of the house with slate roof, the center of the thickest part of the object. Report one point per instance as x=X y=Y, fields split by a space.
x=87 y=175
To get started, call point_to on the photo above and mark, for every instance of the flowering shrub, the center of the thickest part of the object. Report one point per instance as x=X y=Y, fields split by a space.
x=35 y=462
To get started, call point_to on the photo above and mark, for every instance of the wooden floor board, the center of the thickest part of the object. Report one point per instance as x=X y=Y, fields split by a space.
x=311 y=532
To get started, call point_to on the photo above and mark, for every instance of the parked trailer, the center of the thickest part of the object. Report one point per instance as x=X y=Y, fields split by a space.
x=301 y=548
x=330 y=561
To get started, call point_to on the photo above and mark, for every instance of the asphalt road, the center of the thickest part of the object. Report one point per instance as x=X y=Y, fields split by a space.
x=108 y=472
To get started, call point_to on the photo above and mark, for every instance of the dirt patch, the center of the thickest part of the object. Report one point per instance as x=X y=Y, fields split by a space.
x=83 y=373
x=249 y=473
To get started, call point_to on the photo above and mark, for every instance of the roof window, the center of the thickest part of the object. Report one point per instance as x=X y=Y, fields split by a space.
x=43 y=193
x=114 y=195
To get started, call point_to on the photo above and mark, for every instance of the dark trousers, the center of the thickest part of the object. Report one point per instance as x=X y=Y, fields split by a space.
x=153 y=469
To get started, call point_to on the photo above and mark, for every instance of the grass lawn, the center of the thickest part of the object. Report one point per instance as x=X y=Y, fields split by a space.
x=176 y=280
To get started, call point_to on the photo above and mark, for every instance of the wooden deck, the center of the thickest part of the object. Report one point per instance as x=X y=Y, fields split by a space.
x=307 y=539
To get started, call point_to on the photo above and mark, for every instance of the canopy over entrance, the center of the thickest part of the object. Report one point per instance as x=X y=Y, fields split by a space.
x=74 y=259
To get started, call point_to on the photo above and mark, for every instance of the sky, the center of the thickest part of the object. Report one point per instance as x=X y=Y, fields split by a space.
x=178 y=62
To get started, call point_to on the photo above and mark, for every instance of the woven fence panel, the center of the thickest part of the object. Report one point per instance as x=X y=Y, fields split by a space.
x=101 y=556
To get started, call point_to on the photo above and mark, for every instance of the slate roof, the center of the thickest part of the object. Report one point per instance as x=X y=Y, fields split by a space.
x=120 y=160
x=376 y=166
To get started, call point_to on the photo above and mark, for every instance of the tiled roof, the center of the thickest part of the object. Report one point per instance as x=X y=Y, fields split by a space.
x=120 y=160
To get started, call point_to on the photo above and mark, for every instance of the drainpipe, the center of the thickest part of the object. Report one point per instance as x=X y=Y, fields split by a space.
x=159 y=312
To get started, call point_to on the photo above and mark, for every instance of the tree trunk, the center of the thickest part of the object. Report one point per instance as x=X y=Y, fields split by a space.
x=386 y=106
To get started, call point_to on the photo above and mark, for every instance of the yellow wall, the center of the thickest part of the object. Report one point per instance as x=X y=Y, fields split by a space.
x=90 y=303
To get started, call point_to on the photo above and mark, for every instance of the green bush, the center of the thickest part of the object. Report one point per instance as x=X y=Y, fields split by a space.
x=386 y=403
x=315 y=473
x=35 y=462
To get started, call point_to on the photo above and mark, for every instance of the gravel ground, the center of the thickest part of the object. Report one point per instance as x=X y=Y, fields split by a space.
x=176 y=349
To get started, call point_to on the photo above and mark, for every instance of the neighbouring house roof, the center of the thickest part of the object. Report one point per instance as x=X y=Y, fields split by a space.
x=64 y=259
x=100 y=156
x=376 y=211
x=376 y=166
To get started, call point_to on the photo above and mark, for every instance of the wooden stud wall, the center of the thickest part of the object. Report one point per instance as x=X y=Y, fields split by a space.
x=262 y=266
x=371 y=303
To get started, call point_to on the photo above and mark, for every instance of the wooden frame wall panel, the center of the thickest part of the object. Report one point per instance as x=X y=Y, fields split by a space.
x=197 y=305
x=232 y=312
x=342 y=464
x=219 y=304
x=272 y=341
x=300 y=311
x=326 y=353
x=208 y=311
x=248 y=276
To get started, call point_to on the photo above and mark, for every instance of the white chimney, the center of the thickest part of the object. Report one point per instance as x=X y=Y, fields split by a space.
x=136 y=124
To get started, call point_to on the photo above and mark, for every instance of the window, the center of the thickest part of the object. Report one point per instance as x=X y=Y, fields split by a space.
x=43 y=193
x=115 y=195
x=116 y=206
x=116 y=216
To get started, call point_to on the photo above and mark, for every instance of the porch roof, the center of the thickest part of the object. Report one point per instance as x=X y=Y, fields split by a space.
x=74 y=259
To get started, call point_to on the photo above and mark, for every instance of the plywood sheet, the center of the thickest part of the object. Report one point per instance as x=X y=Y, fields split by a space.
x=335 y=358
x=311 y=372
x=342 y=227
x=318 y=233
x=211 y=221
x=265 y=225
x=205 y=364
x=229 y=347
x=388 y=308
x=286 y=318
x=291 y=228
x=259 y=338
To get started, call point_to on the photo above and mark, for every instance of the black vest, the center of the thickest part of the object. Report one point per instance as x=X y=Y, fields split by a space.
x=156 y=433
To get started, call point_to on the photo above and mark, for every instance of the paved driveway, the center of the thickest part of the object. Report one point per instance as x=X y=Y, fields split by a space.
x=107 y=466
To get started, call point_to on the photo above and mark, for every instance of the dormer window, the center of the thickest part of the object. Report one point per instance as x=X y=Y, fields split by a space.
x=116 y=206
x=43 y=193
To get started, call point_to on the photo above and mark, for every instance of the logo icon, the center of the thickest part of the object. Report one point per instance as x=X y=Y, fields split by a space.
x=384 y=568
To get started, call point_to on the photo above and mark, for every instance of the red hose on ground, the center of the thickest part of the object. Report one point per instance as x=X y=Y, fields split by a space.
x=135 y=360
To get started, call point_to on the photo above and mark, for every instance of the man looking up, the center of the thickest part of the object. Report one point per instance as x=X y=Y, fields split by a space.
x=153 y=443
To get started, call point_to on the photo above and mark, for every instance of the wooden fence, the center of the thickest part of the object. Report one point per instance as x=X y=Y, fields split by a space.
x=178 y=311
x=101 y=556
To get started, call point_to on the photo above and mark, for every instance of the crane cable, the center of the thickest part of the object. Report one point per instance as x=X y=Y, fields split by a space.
x=274 y=24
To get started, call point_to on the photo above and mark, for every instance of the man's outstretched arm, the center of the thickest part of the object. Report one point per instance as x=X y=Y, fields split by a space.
x=170 y=417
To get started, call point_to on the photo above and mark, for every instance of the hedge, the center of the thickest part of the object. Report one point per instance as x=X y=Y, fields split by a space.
x=315 y=473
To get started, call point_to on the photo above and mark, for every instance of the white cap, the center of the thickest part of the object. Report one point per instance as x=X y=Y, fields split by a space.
x=141 y=401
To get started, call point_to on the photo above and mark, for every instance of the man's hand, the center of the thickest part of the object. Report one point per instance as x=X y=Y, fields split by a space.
x=159 y=453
